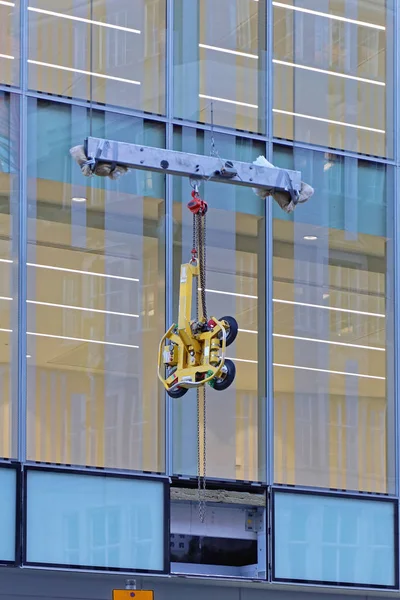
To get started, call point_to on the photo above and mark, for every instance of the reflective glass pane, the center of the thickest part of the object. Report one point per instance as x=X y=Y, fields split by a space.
x=235 y=284
x=96 y=297
x=9 y=42
x=220 y=59
x=95 y=521
x=333 y=327
x=333 y=74
x=337 y=540
x=8 y=487
x=111 y=53
x=9 y=202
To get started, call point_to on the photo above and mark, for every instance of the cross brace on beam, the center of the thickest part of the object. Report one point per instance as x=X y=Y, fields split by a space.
x=112 y=159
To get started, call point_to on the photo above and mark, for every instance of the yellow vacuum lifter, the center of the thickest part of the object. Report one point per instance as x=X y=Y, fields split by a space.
x=192 y=352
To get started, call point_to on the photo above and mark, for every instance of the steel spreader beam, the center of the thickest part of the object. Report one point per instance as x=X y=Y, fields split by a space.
x=194 y=166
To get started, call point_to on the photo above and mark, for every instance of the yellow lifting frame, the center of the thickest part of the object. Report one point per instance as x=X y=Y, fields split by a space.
x=195 y=350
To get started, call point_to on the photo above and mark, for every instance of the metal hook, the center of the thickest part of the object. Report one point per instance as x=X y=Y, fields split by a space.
x=194 y=184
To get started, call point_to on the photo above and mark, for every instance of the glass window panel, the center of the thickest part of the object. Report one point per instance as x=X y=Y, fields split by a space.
x=333 y=327
x=220 y=58
x=9 y=42
x=345 y=541
x=343 y=52
x=235 y=248
x=9 y=202
x=94 y=521
x=96 y=297
x=99 y=51
x=8 y=503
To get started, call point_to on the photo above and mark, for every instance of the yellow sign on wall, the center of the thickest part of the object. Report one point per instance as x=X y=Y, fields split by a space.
x=133 y=595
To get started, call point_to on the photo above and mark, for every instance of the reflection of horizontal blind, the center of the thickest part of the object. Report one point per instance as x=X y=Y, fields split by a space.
x=80 y=429
x=70 y=318
x=152 y=30
x=5 y=414
x=354 y=440
x=113 y=424
x=243 y=25
x=118 y=45
x=369 y=52
x=307 y=456
x=372 y=436
x=335 y=38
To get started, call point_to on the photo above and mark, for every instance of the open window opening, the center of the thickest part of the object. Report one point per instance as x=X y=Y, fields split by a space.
x=230 y=542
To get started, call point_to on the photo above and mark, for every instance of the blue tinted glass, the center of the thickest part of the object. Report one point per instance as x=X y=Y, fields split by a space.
x=95 y=521
x=346 y=541
x=7 y=514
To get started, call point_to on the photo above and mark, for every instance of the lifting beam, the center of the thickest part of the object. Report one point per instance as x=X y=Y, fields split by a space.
x=99 y=152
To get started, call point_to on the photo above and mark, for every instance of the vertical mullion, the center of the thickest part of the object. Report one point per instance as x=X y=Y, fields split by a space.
x=396 y=258
x=269 y=350
x=269 y=320
x=393 y=333
x=262 y=67
x=262 y=367
x=269 y=324
x=22 y=241
x=169 y=235
x=393 y=64
x=269 y=341
x=269 y=11
x=169 y=232
x=396 y=249
x=169 y=61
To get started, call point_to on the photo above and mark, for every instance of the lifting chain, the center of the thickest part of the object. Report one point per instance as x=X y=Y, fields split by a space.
x=199 y=210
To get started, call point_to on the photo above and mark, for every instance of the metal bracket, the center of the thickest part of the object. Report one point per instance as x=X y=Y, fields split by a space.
x=194 y=166
x=254 y=520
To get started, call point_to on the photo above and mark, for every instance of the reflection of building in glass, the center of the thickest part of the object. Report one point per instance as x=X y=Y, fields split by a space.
x=89 y=277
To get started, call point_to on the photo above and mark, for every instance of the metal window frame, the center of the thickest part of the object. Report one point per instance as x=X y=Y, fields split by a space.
x=164 y=481
x=392 y=333
x=396 y=250
x=23 y=239
x=396 y=258
x=276 y=490
x=16 y=467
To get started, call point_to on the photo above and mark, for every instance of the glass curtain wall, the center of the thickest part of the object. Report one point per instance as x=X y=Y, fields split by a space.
x=220 y=58
x=333 y=74
x=97 y=290
x=333 y=327
x=9 y=42
x=9 y=239
x=96 y=297
x=235 y=272
x=107 y=52
x=96 y=249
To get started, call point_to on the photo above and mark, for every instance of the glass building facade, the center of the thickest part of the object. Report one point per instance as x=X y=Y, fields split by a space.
x=91 y=449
